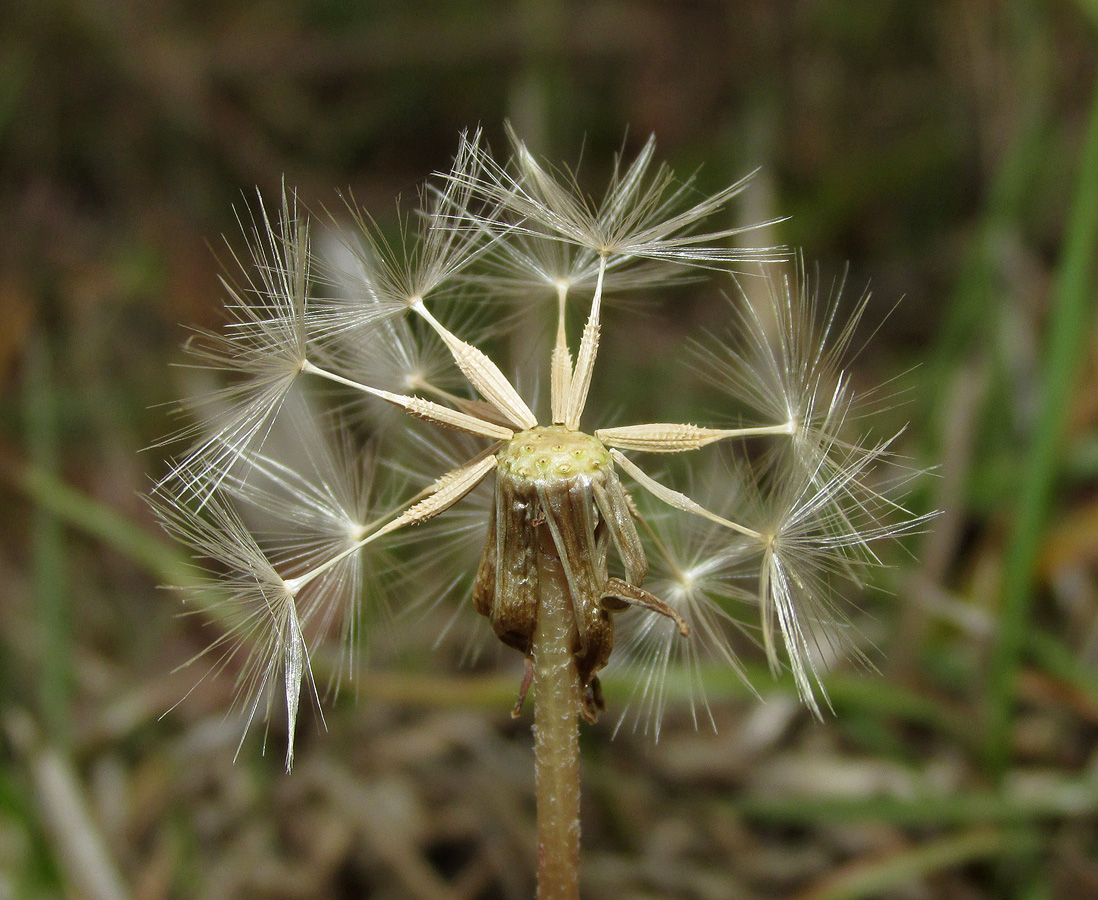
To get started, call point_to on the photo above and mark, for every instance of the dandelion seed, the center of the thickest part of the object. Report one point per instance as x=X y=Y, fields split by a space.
x=259 y=609
x=710 y=581
x=643 y=215
x=785 y=361
x=262 y=350
x=431 y=251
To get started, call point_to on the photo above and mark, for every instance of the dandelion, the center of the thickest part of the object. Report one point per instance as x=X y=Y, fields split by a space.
x=565 y=547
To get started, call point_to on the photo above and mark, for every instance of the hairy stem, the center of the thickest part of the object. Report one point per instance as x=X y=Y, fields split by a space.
x=556 y=733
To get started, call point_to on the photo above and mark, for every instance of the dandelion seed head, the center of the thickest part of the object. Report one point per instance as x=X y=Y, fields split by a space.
x=314 y=517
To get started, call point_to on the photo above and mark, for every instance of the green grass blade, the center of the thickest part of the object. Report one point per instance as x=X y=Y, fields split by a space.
x=875 y=877
x=99 y=521
x=1071 y=312
x=1055 y=799
x=51 y=599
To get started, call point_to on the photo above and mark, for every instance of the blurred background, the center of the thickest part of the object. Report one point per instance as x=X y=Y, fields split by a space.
x=940 y=149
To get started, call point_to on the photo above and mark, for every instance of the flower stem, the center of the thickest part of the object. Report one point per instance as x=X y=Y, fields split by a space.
x=556 y=733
